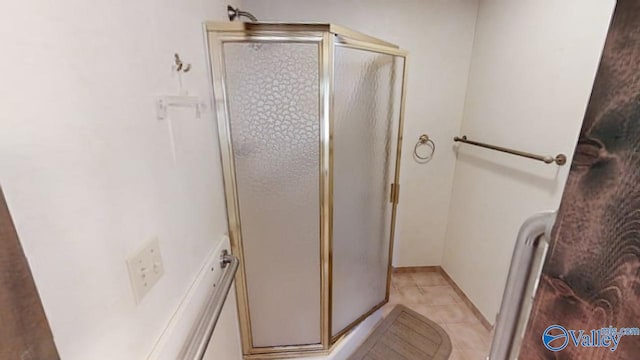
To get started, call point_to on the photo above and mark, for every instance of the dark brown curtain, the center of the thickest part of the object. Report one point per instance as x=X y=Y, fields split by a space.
x=591 y=279
x=24 y=330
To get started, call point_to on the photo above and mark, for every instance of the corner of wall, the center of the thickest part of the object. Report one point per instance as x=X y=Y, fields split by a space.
x=462 y=119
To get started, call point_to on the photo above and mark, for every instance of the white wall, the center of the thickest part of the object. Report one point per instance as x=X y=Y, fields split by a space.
x=531 y=76
x=438 y=35
x=88 y=171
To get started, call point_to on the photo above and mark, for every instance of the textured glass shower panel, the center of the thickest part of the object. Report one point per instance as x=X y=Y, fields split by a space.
x=273 y=97
x=367 y=104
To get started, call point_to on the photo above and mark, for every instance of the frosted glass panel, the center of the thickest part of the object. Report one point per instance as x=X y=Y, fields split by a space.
x=367 y=102
x=273 y=98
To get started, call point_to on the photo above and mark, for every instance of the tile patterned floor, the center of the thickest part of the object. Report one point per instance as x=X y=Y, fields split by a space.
x=429 y=294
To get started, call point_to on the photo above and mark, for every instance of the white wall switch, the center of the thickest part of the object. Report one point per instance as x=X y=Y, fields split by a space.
x=145 y=269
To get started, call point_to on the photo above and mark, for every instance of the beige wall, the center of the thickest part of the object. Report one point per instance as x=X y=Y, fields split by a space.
x=439 y=37
x=531 y=75
x=88 y=170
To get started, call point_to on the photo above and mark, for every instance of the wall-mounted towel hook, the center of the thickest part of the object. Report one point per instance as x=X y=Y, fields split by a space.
x=180 y=66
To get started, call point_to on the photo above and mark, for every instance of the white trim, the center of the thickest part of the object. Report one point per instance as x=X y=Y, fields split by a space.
x=173 y=337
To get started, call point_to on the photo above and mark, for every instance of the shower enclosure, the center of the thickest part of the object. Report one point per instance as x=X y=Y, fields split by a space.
x=310 y=126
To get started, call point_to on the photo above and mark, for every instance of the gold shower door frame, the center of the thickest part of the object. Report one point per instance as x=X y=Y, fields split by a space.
x=327 y=37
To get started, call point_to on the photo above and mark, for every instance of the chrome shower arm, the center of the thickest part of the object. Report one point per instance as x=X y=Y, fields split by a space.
x=236 y=13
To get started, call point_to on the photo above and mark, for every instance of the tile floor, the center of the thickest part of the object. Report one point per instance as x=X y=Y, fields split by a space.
x=429 y=294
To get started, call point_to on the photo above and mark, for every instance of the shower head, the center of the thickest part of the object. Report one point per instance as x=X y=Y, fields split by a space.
x=237 y=14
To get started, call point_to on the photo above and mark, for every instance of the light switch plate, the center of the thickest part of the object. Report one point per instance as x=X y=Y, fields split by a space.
x=145 y=269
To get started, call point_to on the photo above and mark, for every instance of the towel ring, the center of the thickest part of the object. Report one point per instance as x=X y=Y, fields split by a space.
x=424 y=140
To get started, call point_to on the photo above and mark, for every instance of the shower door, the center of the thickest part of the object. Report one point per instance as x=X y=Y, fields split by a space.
x=367 y=93
x=309 y=120
x=272 y=93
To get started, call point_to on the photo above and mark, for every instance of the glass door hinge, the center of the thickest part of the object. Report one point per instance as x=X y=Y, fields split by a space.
x=395 y=193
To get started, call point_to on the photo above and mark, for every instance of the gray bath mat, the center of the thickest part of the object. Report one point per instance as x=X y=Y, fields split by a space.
x=405 y=335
